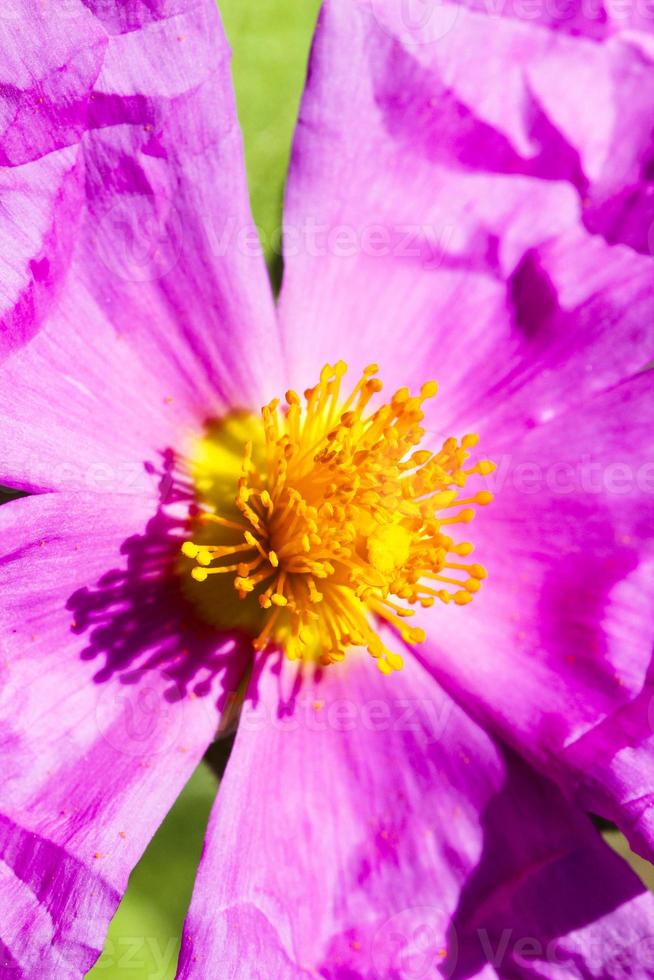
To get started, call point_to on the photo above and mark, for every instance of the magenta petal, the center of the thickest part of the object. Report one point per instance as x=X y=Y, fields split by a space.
x=96 y=738
x=434 y=220
x=555 y=652
x=393 y=254
x=37 y=229
x=583 y=317
x=365 y=823
x=133 y=268
x=44 y=97
x=515 y=98
x=598 y=21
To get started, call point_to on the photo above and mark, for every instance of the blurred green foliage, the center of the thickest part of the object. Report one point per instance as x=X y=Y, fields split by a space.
x=270 y=41
x=144 y=937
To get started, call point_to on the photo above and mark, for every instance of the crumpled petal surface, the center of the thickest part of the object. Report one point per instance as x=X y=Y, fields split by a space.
x=365 y=829
x=556 y=649
x=435 y=220
x=99 y=726
x=516 y=98
x=133 y=283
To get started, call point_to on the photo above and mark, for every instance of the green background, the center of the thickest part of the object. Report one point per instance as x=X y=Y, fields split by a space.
x=270 y=40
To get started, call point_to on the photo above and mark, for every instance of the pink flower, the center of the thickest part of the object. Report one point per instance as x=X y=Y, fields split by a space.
x=470 y=199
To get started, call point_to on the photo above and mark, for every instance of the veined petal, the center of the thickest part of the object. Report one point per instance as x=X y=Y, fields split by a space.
x=434 y=219
x=583 y=313
x=107 y=703
x=365 y=828
x=534 y=88
x=46 y=77
x=555 y=653
x=599 y=21
x=133 y=265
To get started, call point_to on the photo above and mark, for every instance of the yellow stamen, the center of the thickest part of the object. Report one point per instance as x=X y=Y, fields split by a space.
x=338 y=521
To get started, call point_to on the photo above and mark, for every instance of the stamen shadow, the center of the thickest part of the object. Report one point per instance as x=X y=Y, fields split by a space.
x=136 y=618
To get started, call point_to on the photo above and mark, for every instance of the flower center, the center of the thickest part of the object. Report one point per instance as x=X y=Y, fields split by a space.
x=336 y=521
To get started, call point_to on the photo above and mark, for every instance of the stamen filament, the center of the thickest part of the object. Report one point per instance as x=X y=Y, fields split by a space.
x=344 y=519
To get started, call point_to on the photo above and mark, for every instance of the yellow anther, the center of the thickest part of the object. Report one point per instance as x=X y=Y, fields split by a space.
x=421 y=457
x=444 y=499
x=339 y=521
x=429 y=389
